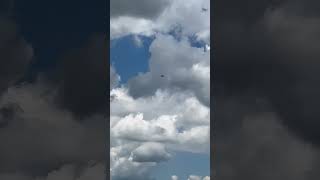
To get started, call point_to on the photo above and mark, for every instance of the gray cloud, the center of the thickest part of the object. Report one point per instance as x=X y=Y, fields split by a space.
x=150 y=152
x=148 y=9
x=271 y=52
x=40 y=137
x=15 y=54
x=83 y=78
x=114 y=78
x=262 y=148
x=266 y=90
x=182 y=71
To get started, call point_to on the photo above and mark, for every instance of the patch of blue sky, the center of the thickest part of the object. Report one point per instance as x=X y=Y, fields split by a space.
x=129 y=58
x=177 y=32
x=182 y=165
x=194 y=42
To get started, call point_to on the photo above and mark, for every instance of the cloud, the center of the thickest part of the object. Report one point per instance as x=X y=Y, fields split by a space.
x=166 y=110
x=168 y=15
x=191 y=177
x=15 y=54
x=271 y=52
x=194 y=177
x=147 y=9
x=206 y=178
x=40 y=136
x=136 y=121
x=137 y=41
x=6 y=8
x=262 y=148
x=171 y=115
x=174 y=177
x=139 y=133
x=83 y=78
x=183 y=71
x=266 y=90
x=114 y=78
x=150 y=152
x=67 y=172
x=122 y=26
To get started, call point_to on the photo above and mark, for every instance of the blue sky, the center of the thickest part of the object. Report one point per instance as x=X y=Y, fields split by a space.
x=129 y=59
x=182 y=164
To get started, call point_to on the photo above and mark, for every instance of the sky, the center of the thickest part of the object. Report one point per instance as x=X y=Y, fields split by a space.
x=160 y=79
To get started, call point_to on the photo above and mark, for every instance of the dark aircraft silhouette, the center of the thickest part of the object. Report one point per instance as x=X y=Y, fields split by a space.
x=162 y=75
x=204 y=9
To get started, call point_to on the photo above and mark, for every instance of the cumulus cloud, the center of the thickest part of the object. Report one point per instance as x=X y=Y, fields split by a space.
x=165 y=110
x=173 y=122
x=150 y=152
x=123 y=25
x=171 y=111
x=143 y=137
x=168 y=15
x=183 y=71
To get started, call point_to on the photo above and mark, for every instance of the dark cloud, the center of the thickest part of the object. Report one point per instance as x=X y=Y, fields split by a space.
x=6 y=7
x=38 y=135
x=84 y=76
x=270 y=49
x=266 y=59
x=15 y=54
x=261 y=148
x=146 y=9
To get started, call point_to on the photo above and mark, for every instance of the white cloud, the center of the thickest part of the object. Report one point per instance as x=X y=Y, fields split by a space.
x=175 y=113
x=114 y=78
x=166 y=109
x=150 y=152
x=194 y=177
x=206 y=178
x=184 y=68
x=181 y=120
x=186 y=14
x=124 y=25
x=137 y=41
x=174 y=177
